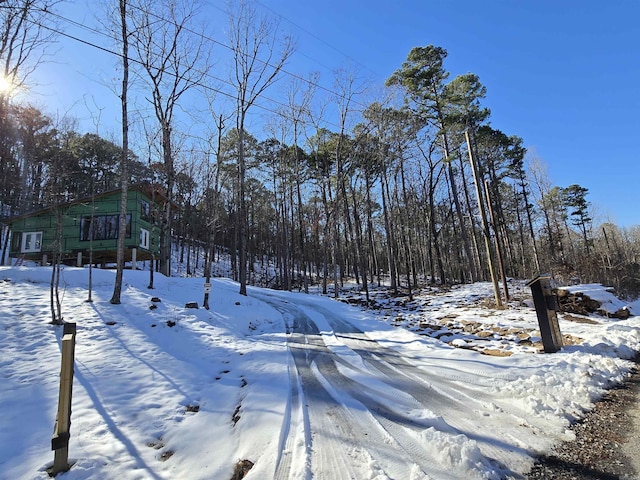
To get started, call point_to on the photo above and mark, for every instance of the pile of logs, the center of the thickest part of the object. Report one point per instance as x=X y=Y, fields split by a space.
x=581 y=304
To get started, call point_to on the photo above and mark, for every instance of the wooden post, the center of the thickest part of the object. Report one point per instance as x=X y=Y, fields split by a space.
x=153 y=261
x=61 y=435
x=44 y=260
x=498 y=243
x=483 y=218
x=134 y=253
x=546 y=304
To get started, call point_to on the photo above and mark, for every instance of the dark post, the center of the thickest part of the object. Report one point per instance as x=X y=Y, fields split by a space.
x=546 y=304
x=61 y=435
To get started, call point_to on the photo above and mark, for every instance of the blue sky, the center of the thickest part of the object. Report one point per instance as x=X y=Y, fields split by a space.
x=563 y=75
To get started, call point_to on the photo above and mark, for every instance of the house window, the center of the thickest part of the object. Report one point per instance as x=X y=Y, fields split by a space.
x=31 y=242
x=144 y=238
x=102 y=227
x=145 y=211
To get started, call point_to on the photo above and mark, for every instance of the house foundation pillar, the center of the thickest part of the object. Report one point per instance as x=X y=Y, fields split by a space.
x=134 y=253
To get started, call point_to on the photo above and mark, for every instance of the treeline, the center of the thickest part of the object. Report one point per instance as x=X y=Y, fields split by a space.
x=43 y=163
x=417 y=188
x=383 y=203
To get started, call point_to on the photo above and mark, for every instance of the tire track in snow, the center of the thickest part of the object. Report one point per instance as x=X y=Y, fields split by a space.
x=351 y=434
x=447 y=396
x=456 y=400
x=314 y=420
x=295 y=437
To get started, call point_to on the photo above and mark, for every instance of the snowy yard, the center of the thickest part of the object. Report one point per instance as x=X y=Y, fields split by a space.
x=299 y=385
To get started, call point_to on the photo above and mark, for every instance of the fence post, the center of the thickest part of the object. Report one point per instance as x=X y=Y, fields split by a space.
x=61 y=435
x=546 y=305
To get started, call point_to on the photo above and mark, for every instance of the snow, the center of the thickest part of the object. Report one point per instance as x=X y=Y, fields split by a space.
x=301 y=385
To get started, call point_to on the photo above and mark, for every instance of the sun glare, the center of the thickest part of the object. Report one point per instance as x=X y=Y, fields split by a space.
x=5 y=85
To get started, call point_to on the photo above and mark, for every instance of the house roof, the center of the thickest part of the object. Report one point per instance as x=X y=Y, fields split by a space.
x=154 y=191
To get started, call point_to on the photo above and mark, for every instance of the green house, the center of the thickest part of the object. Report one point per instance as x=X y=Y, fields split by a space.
x=90 y=227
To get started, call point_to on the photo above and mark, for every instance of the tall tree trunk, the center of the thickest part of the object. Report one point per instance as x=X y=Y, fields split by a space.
x=255 y=69
x=407 y=243
x=530 y=225
x=389 y=234
x=472 y=223
x=6 y=229
x=122 y=231
x=301 y=235
x=498 y=241
x=372 y=247
x=361 y=257
x=56 y=305
x=166 y=224
x=459 y=214
x=483 y=218
x=212 y=213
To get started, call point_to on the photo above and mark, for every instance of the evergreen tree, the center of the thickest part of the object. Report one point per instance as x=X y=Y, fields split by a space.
x=574 y=197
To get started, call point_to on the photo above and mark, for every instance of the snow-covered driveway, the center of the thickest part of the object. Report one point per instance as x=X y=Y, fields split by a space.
x=358 y=409
x=295 y=386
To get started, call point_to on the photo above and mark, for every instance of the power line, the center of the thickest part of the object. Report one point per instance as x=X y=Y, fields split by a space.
x=332 y=47
x=228 y=47
x=199 y=84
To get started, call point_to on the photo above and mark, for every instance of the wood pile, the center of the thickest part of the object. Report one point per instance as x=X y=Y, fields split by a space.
x=581 y=304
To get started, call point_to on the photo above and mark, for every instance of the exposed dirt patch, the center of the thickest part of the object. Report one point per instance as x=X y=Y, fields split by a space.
x=241 y=470
x=602 y=436
x=573 y=318
x=156 y=444
x=164 y=456
x=236 y=415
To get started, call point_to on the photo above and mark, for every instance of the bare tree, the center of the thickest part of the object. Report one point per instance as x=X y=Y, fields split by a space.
x=322 y=172
x=122 y=232
x=347 y=87
x=257 y=65
x=298 y=108
x=173 y=59
x=212 y=198
x=24 y=33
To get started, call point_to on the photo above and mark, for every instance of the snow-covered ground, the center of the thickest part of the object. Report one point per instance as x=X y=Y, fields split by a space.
x=301 y=386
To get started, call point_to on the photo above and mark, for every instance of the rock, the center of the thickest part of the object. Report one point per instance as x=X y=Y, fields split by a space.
x=191 y=305
x=242 y=469
x=495 y=352
x=622 y=313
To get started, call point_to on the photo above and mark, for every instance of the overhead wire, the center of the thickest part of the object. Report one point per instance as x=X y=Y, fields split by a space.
x=195 y=83
x=332 y=47
x=231 y=48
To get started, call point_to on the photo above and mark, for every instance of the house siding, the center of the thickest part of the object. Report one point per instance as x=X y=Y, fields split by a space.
x=106 y=204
